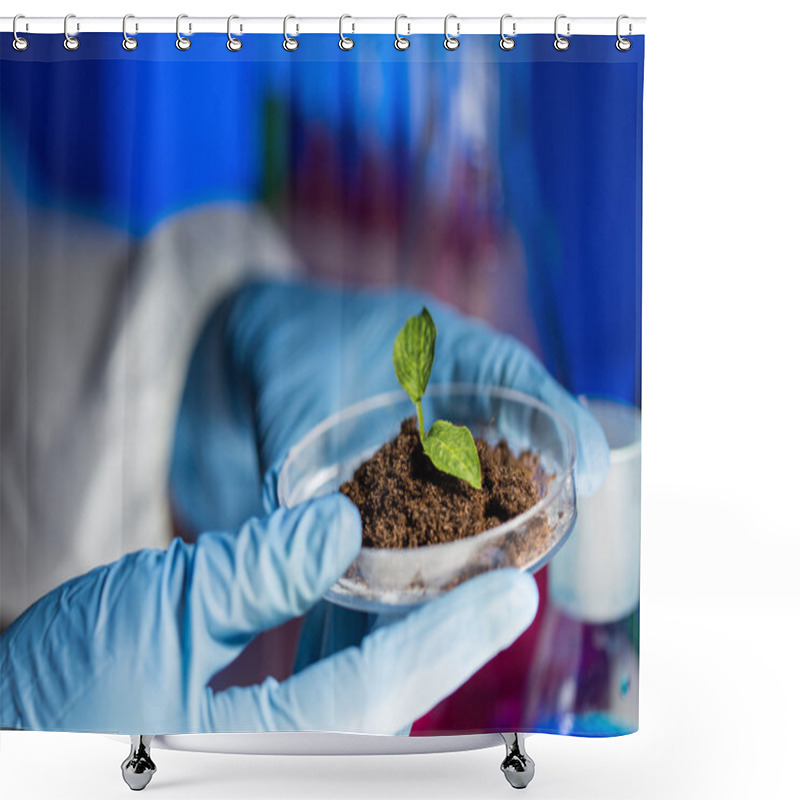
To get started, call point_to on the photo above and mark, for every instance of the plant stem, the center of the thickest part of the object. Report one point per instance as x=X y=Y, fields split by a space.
x=421 y=421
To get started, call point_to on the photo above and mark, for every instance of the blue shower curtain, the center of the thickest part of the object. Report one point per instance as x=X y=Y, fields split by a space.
x=153 y=199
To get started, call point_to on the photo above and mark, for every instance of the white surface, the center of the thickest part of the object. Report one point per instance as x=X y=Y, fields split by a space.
x=720 y=698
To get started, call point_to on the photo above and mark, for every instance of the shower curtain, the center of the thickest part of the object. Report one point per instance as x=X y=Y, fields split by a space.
x=207 y=253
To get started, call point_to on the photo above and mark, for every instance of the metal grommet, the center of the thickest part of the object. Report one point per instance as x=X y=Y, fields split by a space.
x=622 y=44
x=70 y=42
x=507 y=42
x=345 y=42
x=560 y=43
x=289 y=43
x=451 y=42
x=182 y=42
x=128 y=42
x=401 y=42
x=233 y=44
x=19 y=43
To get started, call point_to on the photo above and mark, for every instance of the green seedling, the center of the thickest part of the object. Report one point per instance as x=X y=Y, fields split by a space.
x=450 y=447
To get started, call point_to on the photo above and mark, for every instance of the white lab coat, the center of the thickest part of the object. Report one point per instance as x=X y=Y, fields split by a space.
x=96 y=330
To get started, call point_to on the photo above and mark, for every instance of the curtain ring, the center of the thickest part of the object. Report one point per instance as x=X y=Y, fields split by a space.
x=401 y=42
x=623 y=44
x=560 y=43
x=128 y=42
x=70 y=42
x=345 y=42
x=233 y=44
x=451 y=42
x=289 y=43
x=181 y=42
x=19 y=44
x=507 y=42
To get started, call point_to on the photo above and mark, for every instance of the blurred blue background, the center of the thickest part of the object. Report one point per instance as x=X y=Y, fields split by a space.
x=508 y=183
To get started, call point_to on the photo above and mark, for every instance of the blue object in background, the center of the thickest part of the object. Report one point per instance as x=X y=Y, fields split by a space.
x=130 y=142
x=581 y=226
x=132 y=137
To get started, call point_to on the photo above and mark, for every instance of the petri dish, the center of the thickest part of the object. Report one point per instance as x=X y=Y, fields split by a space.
x=394 y=580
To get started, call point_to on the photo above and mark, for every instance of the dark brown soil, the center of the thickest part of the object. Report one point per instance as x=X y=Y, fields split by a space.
x=406 y=502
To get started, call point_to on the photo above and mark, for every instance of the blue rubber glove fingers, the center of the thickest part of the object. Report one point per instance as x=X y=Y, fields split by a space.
x=269 y=486
x=399 y=672
x=269 y=571
x=131 y=647
x=47 y=661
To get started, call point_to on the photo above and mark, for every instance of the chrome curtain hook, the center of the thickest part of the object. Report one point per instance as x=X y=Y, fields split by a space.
x=181 y=42
x=507 y=42
x=70 y=42
x=234 y=44
x=401 y=42
x=451 y=42
x=560 y=43
x=19 y=43
x=128 y=42
x=623 y=44
x=345 y=42
x=289 y=43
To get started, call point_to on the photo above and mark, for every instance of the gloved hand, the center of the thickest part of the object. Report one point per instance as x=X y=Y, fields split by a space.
x=130 y=647
x=277 y=358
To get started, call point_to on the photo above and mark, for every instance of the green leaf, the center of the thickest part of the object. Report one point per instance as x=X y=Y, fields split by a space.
x=413 y=354
x=452 y=449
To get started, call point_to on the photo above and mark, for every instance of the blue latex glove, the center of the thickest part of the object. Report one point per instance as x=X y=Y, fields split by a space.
x=277 y=358
x=130 y=647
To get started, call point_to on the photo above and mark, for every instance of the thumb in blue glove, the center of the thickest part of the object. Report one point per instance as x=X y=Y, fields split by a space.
x=131 y=647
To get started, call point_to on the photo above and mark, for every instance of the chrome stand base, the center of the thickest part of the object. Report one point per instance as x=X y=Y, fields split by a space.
x=138 y=768
x=517 y=766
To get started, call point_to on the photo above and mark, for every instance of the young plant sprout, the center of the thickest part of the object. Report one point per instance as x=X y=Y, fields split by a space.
x=450 y=447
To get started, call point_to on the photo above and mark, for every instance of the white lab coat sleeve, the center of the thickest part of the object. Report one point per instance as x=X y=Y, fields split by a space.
x=96 y=332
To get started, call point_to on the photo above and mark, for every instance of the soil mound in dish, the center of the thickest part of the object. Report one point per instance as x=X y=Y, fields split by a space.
x=406 y=502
